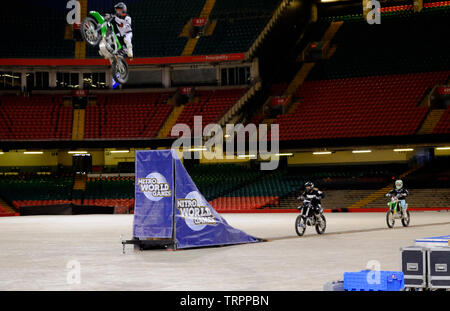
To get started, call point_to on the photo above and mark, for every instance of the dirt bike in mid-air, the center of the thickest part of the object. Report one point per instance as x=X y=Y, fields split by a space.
x=396 y=212
x=98 y=30
x=308 y=217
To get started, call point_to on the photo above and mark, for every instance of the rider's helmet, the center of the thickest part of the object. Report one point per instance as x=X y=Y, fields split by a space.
x=399 y=184
x=309 y=185
x=121 y=9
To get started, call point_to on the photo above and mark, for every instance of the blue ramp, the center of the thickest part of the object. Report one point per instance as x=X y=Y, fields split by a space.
x=168 y=204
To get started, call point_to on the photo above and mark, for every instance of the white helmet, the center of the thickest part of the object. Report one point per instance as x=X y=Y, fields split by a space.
x=399 y=184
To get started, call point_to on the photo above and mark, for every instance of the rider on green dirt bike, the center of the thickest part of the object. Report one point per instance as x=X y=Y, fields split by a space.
x=112 y=34
x=122 y=26
x=399 y=192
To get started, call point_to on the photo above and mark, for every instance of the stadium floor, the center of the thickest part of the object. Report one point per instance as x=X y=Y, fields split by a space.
x=35 y=251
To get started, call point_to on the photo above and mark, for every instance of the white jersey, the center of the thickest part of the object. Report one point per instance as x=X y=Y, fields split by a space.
x=124 y=25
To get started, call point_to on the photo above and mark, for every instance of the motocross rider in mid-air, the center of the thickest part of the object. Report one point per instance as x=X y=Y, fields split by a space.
x=122 y=25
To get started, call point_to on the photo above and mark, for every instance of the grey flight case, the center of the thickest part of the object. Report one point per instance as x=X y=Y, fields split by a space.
x=414 y=266
x=439 y=267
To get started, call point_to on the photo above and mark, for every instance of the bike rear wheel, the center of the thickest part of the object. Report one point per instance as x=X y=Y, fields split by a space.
x=321 y=225
x=300 y=225
x=406 y=219
x=120 y=70
x=89 y=31
x=390 y=221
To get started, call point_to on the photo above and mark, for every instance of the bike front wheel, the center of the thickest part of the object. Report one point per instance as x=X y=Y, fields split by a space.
x=321 y=225
x=390 y=221
x=300 y=225
x=406 y=219
x=89 y=31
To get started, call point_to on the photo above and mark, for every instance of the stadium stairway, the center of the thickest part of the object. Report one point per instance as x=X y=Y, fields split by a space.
x=380 y=192
x=80 y=46
x=170 y=122
x=79 y=120
x=192 y=42
x=6 y=209
x=277 y=15
x=79 y=183
x=431 y=121
x=305 y=69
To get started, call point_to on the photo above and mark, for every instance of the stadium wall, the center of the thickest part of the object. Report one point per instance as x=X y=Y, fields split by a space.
x=338 y=157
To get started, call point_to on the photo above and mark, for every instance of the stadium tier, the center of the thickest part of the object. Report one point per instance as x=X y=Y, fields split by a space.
x=443 y=126
x=36 y=117
x=211 y=105
x=359 y=107
x=405 y=42
x=127 y=115
x=215 y=180
x=240 y=188
x=158 y=27
x=41 y=31
x=117 y=192
x=36 y=190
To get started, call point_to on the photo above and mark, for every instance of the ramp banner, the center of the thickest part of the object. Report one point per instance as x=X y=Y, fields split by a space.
x=153 y=210
x=196 y=222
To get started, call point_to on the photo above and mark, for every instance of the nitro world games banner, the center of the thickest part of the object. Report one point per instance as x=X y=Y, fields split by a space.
x=197 y=223
x=168 y=207
x=153 y=213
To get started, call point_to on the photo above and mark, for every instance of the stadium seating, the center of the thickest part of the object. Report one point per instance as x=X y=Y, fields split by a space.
x=359 y=107
x=36 y=190
x=41 y=31
x=134 y=115
x=38 y=117
x=404 y=42
x=443 y=126
x=157 y=24
x=214 y=180
x=239 y=22
x=211 y=106
x=228 y=204
x=117 y=192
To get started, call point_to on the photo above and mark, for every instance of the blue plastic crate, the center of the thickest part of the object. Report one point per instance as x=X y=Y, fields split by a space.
x=389 y=281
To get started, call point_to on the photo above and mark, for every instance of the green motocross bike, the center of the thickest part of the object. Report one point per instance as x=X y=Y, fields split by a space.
x=98 y=30
x=395 y=212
